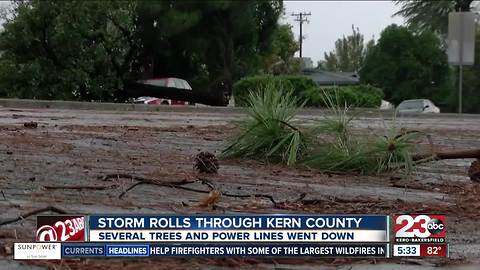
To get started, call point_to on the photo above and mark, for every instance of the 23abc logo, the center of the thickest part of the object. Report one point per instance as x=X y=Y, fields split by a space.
x=46 y=233
x=421 y=226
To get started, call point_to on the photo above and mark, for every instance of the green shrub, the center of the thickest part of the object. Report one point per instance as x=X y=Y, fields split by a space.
x=305 y=89
x=365 y=96
x=299 y=84
x=256 y=84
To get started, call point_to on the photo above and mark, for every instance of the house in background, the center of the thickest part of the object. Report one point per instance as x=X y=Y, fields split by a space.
x=334 y=78
x=330 y=78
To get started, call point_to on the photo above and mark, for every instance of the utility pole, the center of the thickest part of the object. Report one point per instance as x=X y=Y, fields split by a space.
x=301 y=18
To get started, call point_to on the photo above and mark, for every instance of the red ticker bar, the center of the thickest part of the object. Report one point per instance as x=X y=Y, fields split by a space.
x=433 y=250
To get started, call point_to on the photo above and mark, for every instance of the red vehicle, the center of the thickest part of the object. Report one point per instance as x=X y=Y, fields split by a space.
x=163 y=82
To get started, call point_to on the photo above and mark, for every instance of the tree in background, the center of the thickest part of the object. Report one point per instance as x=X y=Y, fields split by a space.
x=281 y=58
x=430 y=15
x=349 y=53
x=211 y=42
x=66 y=49
x=408 y=65
x=84 y=50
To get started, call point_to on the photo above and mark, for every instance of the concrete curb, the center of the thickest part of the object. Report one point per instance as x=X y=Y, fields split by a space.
x=105 y=106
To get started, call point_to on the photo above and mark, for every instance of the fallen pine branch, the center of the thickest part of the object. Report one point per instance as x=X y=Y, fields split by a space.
x=81 y=187
x=208 y=183
x=34 y=212
x=339 y=172
x=109 y=177
x=266 y=196
x=441 y=155
x=147 y=181
x=170 y=185
x=475 y=153
x=332 y=144
x=180 y=185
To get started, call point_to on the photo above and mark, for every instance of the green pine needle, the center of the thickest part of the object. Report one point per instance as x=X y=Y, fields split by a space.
x=268 y=133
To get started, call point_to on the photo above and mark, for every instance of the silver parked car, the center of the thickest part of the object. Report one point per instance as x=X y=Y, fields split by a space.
x=417 y=106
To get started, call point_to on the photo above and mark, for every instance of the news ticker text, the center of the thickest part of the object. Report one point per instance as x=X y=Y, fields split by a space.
x=237 y=235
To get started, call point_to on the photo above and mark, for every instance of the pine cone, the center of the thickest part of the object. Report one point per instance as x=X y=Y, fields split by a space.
x=474 y=171
x=206 y=162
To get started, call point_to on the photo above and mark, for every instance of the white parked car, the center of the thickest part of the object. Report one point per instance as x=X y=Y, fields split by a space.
x=164 y=82
x=417 y=106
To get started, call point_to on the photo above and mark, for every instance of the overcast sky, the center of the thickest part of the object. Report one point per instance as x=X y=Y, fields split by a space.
x=331 y=20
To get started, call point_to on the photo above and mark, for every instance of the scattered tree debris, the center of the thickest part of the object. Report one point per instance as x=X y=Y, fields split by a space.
x=81 y=187
x=330 y=145
x=34 y=212
x=181 y=185
x=8 y=233
x=268 y=133
x=474 y=171
x=475 y=153
x=206 y=162
x=178 y=185
x=211 y=199
x=109 y=177
x=30 y=124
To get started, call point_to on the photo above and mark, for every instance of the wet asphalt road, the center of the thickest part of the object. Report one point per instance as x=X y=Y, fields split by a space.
x=77 y=146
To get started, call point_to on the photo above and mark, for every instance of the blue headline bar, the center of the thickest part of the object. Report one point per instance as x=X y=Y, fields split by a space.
x=237 y=222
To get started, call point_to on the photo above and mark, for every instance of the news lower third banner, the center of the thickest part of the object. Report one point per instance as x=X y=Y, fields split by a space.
x=276 y=235
x=257 y=228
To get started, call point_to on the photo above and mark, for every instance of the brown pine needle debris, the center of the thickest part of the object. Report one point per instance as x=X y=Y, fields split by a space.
x=211 y=199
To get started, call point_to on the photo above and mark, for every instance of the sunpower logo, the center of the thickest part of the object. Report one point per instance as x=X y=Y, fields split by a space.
x=37 y=251
x=430 y=228
x=37 y=246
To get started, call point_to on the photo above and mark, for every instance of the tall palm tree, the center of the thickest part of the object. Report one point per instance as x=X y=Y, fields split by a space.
x=431 y=15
